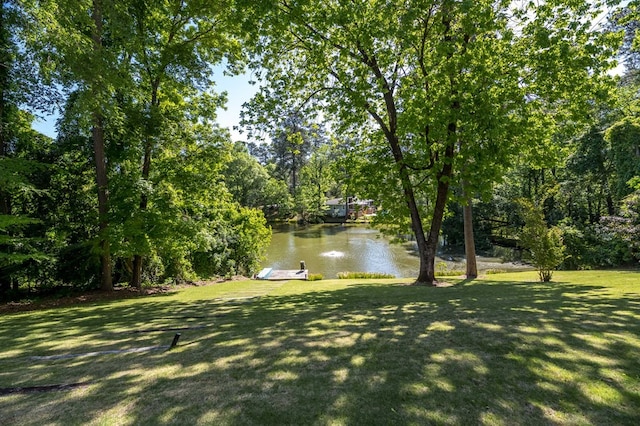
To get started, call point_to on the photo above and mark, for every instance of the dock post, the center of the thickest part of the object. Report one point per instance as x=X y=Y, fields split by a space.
x=302 y=265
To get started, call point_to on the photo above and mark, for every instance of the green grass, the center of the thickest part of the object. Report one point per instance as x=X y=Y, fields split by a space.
x=505 y=350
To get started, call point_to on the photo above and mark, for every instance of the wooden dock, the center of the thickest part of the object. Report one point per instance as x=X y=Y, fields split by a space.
x=283 y=274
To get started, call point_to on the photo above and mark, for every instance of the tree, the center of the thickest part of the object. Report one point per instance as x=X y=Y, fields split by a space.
x=315 y=181
x=543 y=244
x=432 y=85
x=71 y=213
x=80 y=44
x=252 y=184
x=20 y=231
x=627 y=20
x=192 y=228
x=626 y=226
x=588 y=185
x=175 y=43
x=293 y=140
x=20 y=236
x=624 y=137
x=245 y=178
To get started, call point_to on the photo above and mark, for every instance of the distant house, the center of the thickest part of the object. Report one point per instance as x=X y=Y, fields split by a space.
x=337 y=208
x=352 y=208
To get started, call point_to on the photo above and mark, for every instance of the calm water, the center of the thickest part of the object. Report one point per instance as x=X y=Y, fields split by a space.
x=331 y=248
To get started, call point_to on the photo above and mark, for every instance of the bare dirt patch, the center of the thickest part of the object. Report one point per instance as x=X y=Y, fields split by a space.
x=46 y=388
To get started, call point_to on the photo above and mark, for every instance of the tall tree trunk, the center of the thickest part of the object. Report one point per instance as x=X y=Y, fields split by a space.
x=426 y=272
x=97 y=134
x=294 y=177
x=438 y=213
x=5 y=205
x=426 y=245
x=611 y=209
x=136 y=273
x=5 y=63
x=469 y=240
x=103 y=202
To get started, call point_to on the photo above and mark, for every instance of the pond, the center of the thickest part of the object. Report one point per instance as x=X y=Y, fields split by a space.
x=331 y=248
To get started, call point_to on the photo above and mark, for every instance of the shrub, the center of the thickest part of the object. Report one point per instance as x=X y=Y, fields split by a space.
x=495 y=271
x=593 y=246
x=450 y=273
x=314 y=277
x=363 y=275
x=545 y=247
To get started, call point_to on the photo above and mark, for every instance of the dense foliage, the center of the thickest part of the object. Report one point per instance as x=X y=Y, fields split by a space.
x=424 y=107
x=132 y=189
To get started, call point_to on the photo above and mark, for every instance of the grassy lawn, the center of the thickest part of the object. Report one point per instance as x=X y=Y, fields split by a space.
x=503 y=350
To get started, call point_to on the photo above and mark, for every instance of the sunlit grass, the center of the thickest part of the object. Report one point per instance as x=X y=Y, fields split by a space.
x=504 y=349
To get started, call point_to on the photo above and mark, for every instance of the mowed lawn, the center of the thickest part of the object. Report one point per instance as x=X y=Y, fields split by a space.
x=501 y=350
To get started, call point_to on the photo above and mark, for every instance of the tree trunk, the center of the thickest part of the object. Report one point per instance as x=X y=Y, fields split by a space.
x=97 y=134
x=103 y=202
x=611 y=209
x=5 y=58
x=426 y=246
x=438 y=214
x=426 y=253
x=469 y=241
x=136 y=273
x=5 y=205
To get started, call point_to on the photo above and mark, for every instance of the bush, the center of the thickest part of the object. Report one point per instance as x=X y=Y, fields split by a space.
x=314 y=277
x=495 y=271
x=450 y=273
x=363 y=275
x=593 y=246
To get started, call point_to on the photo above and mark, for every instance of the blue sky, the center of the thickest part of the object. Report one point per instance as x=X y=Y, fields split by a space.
x=238 y=91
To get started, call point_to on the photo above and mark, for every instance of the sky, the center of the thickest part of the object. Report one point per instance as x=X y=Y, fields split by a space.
x=238 y=89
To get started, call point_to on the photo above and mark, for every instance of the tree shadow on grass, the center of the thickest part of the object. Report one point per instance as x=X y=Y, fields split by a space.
x=486 y=352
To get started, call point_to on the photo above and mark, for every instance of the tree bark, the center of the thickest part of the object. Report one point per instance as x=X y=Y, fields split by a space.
x=97 y=134
x=428 y=275
x=469 y=241
x=426 y=272
x=103 y=202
